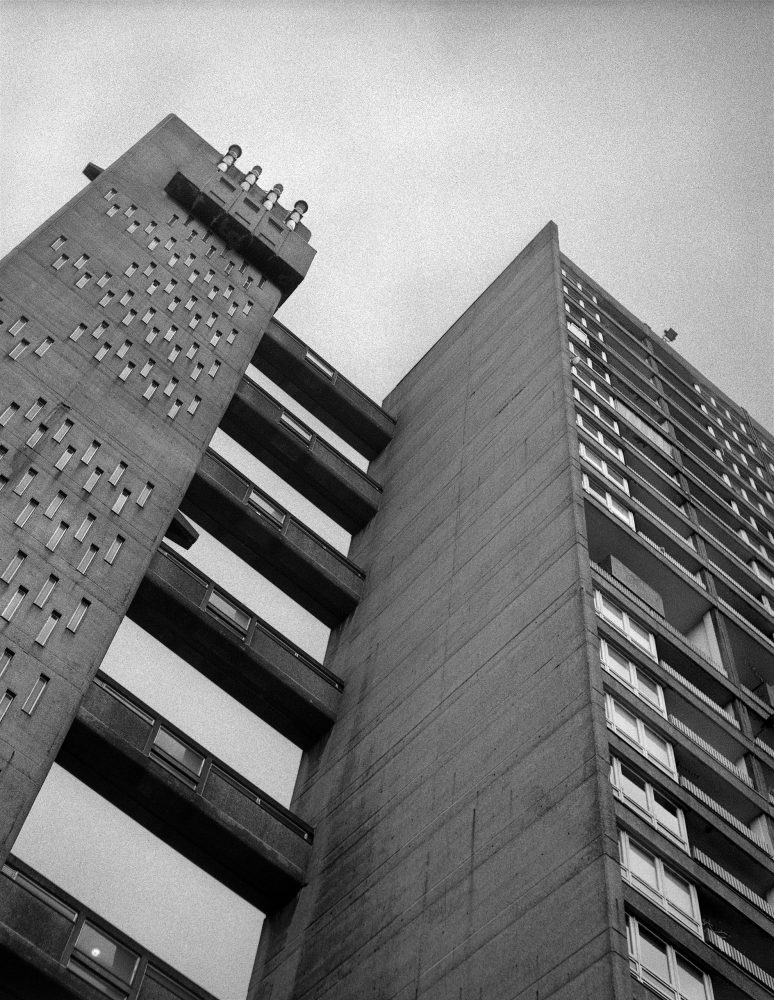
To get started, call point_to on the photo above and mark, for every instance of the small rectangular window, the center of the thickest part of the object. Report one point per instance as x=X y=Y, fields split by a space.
x=8 y=412
x=106 y=299
x=176 y=756
x=150 y=390
x=116 y=474
x=296 y=427
x=84 y=279
x=127 y=371
x=60 y=262
x=193 y=406
x=133 y=226
x=59 y=242
x=171 y=332
x=55 y=504
x=174 y=409
x=151 y=335
x=90 y=452
x=12 y=606
x=170 y=243
x=87 y=558
x=5 y=660
x=174 y=354
x=28 y=477
x=129 y=212
x=123 y=350
x=131 y=269
x=41 y=349
x=20 y=348
x=46 y=591
x=146 y=369
x=99 y=329
x=66 y=427
x=147 y=316
x=13 y=567
x=153 y=243
x=145 y=493
x=102 y=281
x=232 y=337
x=150 y=227
x=113 y=210
x=248 y=308
x=174 y=303
x=85 y=527
x=18 y=326
x=222 y=607
x=173 y=259
x=115 y=548
x=5 y=702
x=214 y=369
x=94 y=477
x=120 y=502
x=78 y=615
x=130 y=316
x=196 y=372
x=36 y=435
x=191 y=352
x=171 y=386
x=110 y=194
x=26 y=513
x=57 y=535
x=211 y=321
x=81 y=261
x=102 y=351
x=264 y=506
x=78 y=332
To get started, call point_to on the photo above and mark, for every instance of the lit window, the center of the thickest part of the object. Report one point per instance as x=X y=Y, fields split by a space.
x=151 y=335
x=146 y=369
x=8 y=412
x=123 y=350
x=116 y=474
x=632 y=729
x=113 y=210
x=99 y=329
x=66 y=427
x=173 y=259
x=120 y=502
x=36 y=435
x=657 y=964
x=130 y=271
x=232 y=308
x=25 y=481
x=214 y=367
x=60 y=262
x=26 y=513
x=174 y=409
x=129 y=212
x=193 y=406
x=45 y=632
x=147 y=316
x=13 y=567
x=110 y=194
x=171 y=386
x=59 y=242
x=130 y=316
x=196 y=371
x=91 y=482
x=150 y=390
x=88 y=557
x=46 y=591
x=90 y=452
x=145 y=493
x=191 y=352
x=103 y=962
x=102 y=351
x=66 y=455
x=106 y=299
x=101 y=282
x=57 y=535
x=84 y=279
x=127 y=371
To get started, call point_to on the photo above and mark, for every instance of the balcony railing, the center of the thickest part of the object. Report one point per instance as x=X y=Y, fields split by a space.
x=736 y=956
x=704 y=656
x=725 y=712
x=721 y=811
x=708 y=748
x=737 y=614
x=733 y=881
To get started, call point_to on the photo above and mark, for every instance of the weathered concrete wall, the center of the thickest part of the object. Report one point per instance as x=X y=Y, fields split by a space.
x=42 y=310
x=464 y=840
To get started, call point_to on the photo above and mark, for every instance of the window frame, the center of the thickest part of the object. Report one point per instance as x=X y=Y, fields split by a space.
x=648 y=812
x=671 y=990
x=641 y=742
x=659 y=893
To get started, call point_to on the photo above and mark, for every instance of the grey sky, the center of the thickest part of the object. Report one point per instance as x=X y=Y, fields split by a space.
x=432 y=141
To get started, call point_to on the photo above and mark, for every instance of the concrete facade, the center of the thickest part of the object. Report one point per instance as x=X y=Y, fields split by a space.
x=538 y=760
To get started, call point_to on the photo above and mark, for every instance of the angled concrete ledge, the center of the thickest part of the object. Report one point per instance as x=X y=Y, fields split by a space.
x=194 y=802
x=261 y=425
x=236 y=649
x=293 y=366
x=270 y=539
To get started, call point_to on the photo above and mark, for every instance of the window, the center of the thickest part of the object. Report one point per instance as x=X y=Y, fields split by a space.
x=102 y=281
x=599 y=436
x=59 y=242
x=129 y=212
x=78 y=615
x=13 y=604
x=622 y=620
x=106 y=299
x=18 y=326
x=129 y=272
x=20 y=348
x=127 y=371
x=296 y=427
x=110 y=194
x=592 y=384
x=87 y=558
x=8 y=412
x=85 y=527
x=123 y=350
x=146 y=369
x=171 y=386
x=191 y=352
x=145 y=493
x=148 y=271
x=60 y=262
x=116 y=474
x=632 y=675
x=120 y=502
x=193 y=406
x=632 y=729
x=222 y=607
x=264 y=506
x=596 y=489
x=174 y=409
x=57 y=535
x=174 y=303
x=601 y=414
x=5 y=660
x=647 y=873
x=94 y=477
x=115 y=548
x=25 y=481
x=36 y=435
x=26 y=513
x=35 y=409
x=640 y=795
x=13 y=567
x=176 y=756
x=126 y=298
x=113 y=210
x=43 y=636
x=102 y=351
x=41 y=349
x=130 y=316
x=151 y=335
x=214 y=367
x=657 y=964
x=78 y=332
x=196 y=371
x=99 y=330
x=55 y=504
x=90 y=452
x=103 y=962
x=46 y=591
x=5 y=702
x=84 y=279
x=322 y=366
x=147 y=316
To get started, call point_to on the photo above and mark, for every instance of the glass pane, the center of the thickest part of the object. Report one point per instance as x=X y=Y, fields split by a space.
x=229 y=610
x=633 y=788
x=625 y=722
x=667 y=815
x=107 y=953
x=642 y=865
x=657 y=747
x=649 y=689
x=678 y=892
x=654 y=956
x=188 y=758
x=611 y=612
x=640 y=635
x=618 y=664
x=690 y=980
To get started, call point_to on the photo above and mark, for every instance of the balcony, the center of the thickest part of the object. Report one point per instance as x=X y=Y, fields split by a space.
x=194 y=802
x=259 y=423
x=272 y=541
x=323 y=391
x=236 y=649
x=240 y=220
x=54 y=948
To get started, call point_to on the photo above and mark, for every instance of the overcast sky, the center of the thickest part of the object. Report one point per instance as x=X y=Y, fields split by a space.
x=432 y=141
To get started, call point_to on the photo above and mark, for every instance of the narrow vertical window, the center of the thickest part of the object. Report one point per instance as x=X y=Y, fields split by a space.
x=127 y=371
x=78 y=332
x=171 y=386
x=36 y=435
x=78 y=615
x=110 y=194
x=90 y=452
x=151 y=335
x=94 y=477
x=41 y=349
x=18 y=326
x=193 y=406
x=214 y=369
x=5 y=703
x=57 y=535
x=150 y=390
x=46 y=591
x=5 y=660
x=85 y=527
x=13 y=567
x=8 y=412
x=104 y=279
x=87 y=559
x=116 y=474
x=115 y=548
x=35 y=409
x=99 y=329
x=81 y=261
x=60 y=262
x=146 y=369
x=83 y=280
x=102 y=351
x=13 y=604
x=55 y=504
x=20 y=348
x=191 y=352
x=66 y=427
x=118 y=506
x=26 y=513
x=174 y=354
x=123 y=350
x=171 y=332
x=106 y=299
x=59 y=242
x=25 y=481
x=130 y=270
x=130 y=316
x=174 y=409
x=196 y=372
x=145 y=493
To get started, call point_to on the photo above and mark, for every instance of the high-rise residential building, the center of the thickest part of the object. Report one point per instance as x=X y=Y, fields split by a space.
x=538 y=760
